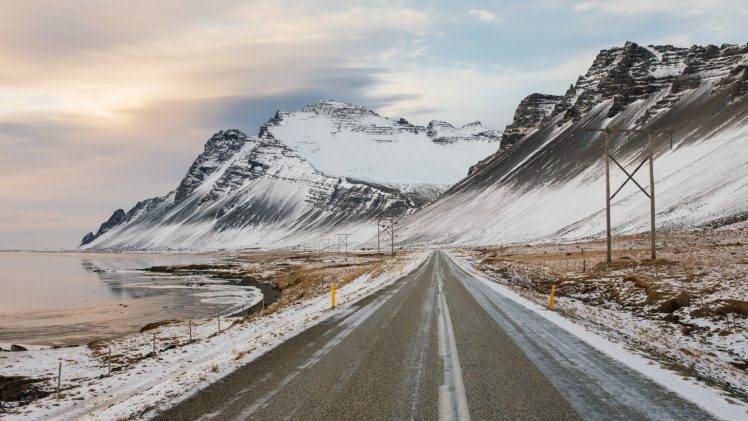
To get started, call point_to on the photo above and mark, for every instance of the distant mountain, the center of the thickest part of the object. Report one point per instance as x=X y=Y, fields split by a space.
x=546 y=181
x=328 y=168
x=344 y=140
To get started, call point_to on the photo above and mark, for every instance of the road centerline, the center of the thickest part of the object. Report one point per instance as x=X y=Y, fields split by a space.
x=452 y=398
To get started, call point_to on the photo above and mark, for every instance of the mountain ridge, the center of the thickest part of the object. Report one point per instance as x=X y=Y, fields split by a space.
x=546 y=185
x=265 y=182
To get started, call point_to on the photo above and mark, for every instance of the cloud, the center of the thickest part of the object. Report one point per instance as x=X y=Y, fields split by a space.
x=483 y=15
x=103 y=104
x=716 y=20
x=466 y=92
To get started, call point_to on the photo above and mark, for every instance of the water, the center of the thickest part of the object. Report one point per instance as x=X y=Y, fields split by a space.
x=72 y=298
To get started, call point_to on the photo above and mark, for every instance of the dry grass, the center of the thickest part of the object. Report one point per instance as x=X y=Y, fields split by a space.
x=301 y=275
x=702 y=272
x=154 y=325
x=238 y=355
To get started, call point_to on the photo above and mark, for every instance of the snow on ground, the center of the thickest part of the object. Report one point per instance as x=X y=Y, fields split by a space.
x=710 y=399
x=149 y=383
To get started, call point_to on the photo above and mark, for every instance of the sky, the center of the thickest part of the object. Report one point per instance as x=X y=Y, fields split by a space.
x=105 y=103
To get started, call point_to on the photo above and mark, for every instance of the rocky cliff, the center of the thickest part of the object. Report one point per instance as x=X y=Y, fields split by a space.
x=548 y=184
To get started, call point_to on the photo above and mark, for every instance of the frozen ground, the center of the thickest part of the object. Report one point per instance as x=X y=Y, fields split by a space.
x=142 y=381
x=687 y=309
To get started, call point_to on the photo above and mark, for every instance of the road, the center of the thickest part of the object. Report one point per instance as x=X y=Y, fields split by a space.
x=437 y=344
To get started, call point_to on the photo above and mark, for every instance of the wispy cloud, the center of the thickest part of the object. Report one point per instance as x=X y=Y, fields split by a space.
x=483 y=15
x=716 y=18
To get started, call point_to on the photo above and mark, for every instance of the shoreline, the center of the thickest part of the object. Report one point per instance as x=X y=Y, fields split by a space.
x=144 y=298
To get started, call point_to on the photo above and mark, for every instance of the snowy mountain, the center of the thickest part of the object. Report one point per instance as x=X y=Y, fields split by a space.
x=328 y=168
x=344 y=140
x=548 y=184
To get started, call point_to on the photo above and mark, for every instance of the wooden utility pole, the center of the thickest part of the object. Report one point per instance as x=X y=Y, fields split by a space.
x=392 y=235
x=652 y=238
x=344 y=239
x=379 y=226
x=609 y=249
x=387 y=230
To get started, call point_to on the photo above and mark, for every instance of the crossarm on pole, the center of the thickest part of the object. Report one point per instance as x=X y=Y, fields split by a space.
x=630 y=177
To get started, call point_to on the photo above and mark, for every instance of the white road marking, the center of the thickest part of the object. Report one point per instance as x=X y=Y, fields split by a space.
x=452 y=399
x=422 y=345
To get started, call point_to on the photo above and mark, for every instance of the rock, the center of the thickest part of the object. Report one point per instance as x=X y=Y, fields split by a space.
x=117 y=218
x=17 y=348
x=672 y=304
x=88 y=238
x=531 y=112
x=219 y=148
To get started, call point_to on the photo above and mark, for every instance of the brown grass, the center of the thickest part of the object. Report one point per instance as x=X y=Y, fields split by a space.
x=154 y=325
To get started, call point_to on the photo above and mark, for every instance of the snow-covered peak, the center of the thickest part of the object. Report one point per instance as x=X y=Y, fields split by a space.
x=330 y=104
x=632 y=72
x=531 y=113
x=218 y=149
x=347 y=140
x=443 y=132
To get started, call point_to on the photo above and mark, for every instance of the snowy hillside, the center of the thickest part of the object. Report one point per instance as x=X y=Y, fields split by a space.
x=344 y=140
x=549 y=184
x=309 y=175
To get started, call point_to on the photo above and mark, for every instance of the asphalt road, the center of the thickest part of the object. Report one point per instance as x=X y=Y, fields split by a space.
x=437 y=344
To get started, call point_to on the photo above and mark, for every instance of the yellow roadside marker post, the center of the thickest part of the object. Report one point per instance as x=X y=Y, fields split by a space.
x=551 y=298
x=332 y=296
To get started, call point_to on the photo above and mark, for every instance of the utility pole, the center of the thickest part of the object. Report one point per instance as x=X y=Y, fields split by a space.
x=379 y=225
x=630 y=176
x=652 y=239
x=387 y=230
x=344 y=238
x=392 y=235
x=609 y=249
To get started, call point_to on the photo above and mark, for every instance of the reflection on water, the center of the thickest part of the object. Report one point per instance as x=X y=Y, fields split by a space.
x=66 y=298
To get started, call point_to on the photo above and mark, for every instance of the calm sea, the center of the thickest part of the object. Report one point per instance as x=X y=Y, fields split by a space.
x=71 y=298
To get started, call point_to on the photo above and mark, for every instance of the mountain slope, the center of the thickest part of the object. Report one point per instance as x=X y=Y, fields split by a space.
x=263 y=192
x=549 y=184
x=348 y=141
